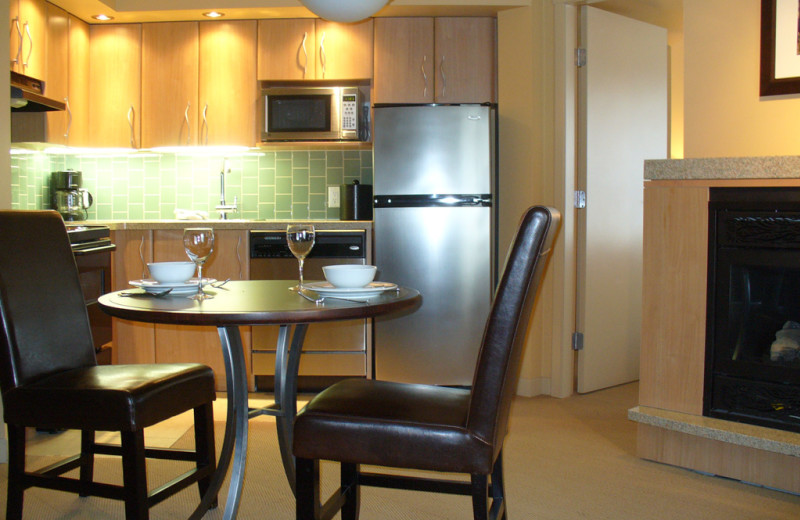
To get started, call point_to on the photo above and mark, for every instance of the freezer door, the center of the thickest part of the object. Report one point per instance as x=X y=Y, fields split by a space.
x=445 y=254
x=433 y=149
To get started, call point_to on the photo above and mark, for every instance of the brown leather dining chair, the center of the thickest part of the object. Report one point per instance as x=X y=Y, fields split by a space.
x=424 y=427
x=50 y=379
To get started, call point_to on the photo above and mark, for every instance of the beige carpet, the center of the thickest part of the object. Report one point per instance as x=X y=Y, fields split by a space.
x=565 y=459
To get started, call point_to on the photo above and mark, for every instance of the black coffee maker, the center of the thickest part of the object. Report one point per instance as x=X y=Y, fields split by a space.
x=68 y=197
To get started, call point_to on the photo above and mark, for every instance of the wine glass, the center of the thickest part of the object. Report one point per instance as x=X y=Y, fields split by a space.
x=199 y=243
x=301 y=240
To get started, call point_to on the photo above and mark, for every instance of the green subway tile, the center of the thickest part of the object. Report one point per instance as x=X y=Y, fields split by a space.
x=136 y=211
x=266 y=194
x=136 y=195
x=104 y=211
x=283 y=186
x=283 y=215
x=152 y=203
x=104 y=164
x=266 y=211
x=250 y=167
x=317 y=185
x=299 y=210
x=366 y=175
x=352 y=168
x=317 y=167
x=352 y=154
x=300 y=159
x=136 y=163
x=335 y=159
x=151 y=185
x=266 y=176
x=168 y=177
x=167 y=161
x=316 y=202
x=168 y=210
x=152 y=169
x=300 y=194
x=266 y=161
x=283 y=203
x=248 y=202
x=249 y=186
x=283 y=168
x=335 y=176
x=183 y=201
x=283 y=155
x=300 y=176
x=366 y=158
x=317 y=215
x=316 y=154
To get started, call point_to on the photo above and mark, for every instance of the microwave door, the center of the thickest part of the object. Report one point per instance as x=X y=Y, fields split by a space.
x=301 y=116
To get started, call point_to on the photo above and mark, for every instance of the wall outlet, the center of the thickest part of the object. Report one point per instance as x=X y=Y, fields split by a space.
x=333 y=196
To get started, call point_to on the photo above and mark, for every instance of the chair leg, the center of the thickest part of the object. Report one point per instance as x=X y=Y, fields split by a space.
x=204 y=445
x=134 y=475
x=498 y=511
x=480 y=493
x=87 y=461
x=16 y=470
x=307 y=489
x=352 y=499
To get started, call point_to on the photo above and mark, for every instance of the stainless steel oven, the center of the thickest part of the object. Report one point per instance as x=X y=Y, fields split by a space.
x=331 y=350
x=92 y=248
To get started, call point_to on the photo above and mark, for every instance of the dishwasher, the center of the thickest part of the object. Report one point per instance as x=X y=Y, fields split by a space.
x=332 y=350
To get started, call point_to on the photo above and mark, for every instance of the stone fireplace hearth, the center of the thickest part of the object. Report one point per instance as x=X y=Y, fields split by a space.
x=672 y=425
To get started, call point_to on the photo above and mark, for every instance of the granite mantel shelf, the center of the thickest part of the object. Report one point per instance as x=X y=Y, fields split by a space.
x=728 y=168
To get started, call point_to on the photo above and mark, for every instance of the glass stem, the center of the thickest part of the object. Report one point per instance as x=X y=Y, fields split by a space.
x=300 y=260
x=200 y=279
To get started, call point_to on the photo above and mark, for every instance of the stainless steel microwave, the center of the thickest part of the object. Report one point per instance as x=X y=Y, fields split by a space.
x=311 y=114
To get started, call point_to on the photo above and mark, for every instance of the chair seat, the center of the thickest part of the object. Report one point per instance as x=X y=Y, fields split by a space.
x=110 y=397
x=392 y=424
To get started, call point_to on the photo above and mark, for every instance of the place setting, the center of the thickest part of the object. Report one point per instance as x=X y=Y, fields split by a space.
x=343 y=282
x=177 y=278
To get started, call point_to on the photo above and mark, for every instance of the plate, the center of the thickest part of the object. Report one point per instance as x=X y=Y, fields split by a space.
x=369 y=291
x=153 y=286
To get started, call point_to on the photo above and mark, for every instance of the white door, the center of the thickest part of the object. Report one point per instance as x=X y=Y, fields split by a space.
x=622 y=121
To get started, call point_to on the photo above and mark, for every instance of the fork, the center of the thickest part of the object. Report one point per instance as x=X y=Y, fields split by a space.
x=159 y=294
x=321 y=299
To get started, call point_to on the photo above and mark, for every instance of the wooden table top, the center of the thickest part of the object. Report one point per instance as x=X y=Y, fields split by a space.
x=252 y=302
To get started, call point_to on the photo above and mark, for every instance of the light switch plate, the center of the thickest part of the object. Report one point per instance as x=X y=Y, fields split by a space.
x=333 y=196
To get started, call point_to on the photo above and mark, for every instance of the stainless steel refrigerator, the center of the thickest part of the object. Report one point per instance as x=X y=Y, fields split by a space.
x=434 y=177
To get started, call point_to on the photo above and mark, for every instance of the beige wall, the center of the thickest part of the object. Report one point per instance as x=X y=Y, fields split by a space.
x=724 y=115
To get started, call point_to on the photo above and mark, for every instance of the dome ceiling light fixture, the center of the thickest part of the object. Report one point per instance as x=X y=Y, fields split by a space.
x=344 y=11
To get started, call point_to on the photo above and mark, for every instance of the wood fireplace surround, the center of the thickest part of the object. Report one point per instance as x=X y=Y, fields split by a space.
x=672 y=427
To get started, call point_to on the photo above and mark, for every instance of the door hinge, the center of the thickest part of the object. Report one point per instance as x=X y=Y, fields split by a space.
x=580 y=57
x=580 y=199
x=577 y=341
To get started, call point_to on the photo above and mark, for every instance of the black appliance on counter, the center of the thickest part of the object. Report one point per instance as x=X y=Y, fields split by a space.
x=67 y=195
x=356 y=201
x=92 y=248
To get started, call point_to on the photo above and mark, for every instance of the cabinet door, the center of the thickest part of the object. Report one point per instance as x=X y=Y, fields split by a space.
x=134 y=341
x=29 y=37
x=169 y=84
x=228 y=86
x=57 y=80
x=182 y=344
x=286 y=49
x=344 y=51
x=78 y=98
x=115 y=84
x=466 y=57
x=404 y=60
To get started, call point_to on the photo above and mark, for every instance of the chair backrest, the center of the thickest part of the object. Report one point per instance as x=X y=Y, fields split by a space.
x=497 y=369
x=44 y=325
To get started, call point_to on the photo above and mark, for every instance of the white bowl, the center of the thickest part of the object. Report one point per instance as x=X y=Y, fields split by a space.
x=171 y=272
x=349 y=276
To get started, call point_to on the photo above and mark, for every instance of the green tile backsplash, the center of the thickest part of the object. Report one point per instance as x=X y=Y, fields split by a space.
x=290 y=184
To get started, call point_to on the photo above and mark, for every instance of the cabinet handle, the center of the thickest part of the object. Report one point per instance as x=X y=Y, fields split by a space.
x=131 y=119
x=188 y=128
x=323 y=57
x=19 y=45
x=424 y=76
x=69 y=117
x=305 y=53
x=239 y=256
x=145 y=274
x=204 y=125
x=30 y=49
x=444 y=78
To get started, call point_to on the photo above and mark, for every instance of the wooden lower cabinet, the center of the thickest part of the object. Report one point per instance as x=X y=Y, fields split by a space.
x=147 y=343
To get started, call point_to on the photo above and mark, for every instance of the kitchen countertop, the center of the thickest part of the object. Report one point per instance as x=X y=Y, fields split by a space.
x=118 y=225
x=775 y=167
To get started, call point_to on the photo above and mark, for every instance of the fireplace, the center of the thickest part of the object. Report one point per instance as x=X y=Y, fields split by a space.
x=752 y=371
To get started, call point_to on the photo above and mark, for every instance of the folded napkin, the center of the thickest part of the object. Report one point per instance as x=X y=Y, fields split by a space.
x=190 y=214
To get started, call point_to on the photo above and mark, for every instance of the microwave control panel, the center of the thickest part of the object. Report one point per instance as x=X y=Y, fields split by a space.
x=350 y=112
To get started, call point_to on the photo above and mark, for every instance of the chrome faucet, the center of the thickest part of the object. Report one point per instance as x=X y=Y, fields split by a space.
x=223 y=207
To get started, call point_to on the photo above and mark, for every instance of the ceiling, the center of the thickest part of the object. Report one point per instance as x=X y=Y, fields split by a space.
x=665 y=13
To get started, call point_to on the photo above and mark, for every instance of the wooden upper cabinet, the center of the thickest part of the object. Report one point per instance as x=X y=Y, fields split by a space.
x=344 y=51
x=115 y=66
x=228 y=85
x=170 y=53
x=404 y=60
x=297 y=49
x=466 y=59
x=28 y=38
x=67 y=77
x=286 y=49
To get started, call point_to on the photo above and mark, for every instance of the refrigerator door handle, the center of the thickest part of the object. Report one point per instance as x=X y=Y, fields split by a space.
x=441 y=200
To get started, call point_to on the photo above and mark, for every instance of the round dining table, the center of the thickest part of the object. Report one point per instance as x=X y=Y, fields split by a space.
x=258 y=303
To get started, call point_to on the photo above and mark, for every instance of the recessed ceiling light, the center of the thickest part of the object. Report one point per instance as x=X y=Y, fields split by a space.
x=214 y=14
x=103 y=17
